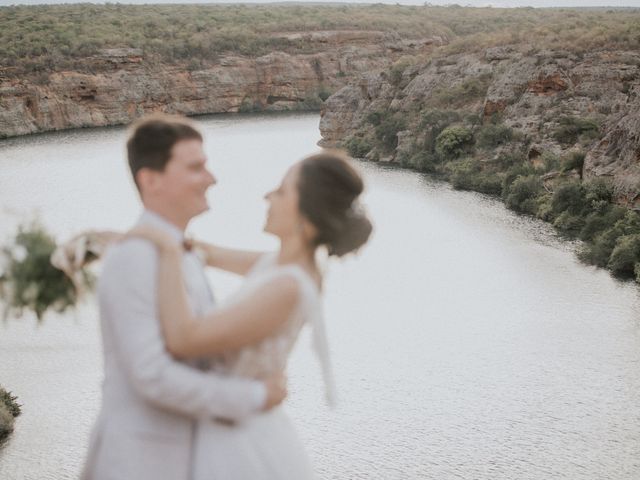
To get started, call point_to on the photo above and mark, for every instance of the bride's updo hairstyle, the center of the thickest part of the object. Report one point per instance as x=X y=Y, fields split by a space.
x=329 y=187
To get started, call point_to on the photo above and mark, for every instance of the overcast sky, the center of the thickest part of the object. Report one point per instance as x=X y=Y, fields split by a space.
x=475 y=3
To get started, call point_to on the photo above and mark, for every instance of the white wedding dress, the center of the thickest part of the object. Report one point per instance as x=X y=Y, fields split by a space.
x=265 y=446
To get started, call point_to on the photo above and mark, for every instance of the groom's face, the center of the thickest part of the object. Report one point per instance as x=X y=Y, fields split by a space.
x=184 y=182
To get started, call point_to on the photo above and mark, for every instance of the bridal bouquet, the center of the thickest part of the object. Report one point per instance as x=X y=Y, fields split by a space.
x=37 y=275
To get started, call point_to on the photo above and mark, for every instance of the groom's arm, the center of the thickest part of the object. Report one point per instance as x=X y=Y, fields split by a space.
x=128 y=299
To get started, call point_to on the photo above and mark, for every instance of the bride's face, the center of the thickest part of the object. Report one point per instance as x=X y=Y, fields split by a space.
x=283 y=216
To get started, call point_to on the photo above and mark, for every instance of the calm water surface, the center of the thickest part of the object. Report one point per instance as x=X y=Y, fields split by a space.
x=468 y=343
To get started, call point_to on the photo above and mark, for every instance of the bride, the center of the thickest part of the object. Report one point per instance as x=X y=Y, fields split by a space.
x=252 y=334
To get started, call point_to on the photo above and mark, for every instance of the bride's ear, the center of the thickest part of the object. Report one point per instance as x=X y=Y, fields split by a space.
x=308 y=230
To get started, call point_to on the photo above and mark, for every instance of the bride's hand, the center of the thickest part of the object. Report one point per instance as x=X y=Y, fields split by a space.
x=276 y=386
x=161 y=240
x=80 y=250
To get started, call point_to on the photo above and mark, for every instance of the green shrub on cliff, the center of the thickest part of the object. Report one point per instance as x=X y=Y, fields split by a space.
x=625 y=256
x=454 y=141
x=597 y=191
x=469 y=175
x=509 y=159
x=550 y=163
x=600 y=220
x=600 y=250
x=431 y=123
x=470 y=90
x=324 y=93
x=570 y=129
x=397 y=70
x=600 y=213
x=358 y=147
x=387 y=129
x=544 y=210
x=569 y=197
x=464 y=173
x=584 y=209
x=522 y=194
x=492 y=136
x=518 y=169
x=573 y=161
x=424 y=160
x=568 y=224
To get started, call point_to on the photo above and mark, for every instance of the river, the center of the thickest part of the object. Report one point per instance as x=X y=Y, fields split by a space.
x=468 y=342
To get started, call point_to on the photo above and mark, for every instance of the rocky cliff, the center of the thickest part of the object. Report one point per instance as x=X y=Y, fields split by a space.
x=551 y=103
x=119 y=85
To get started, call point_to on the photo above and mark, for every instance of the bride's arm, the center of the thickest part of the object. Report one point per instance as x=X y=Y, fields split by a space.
x=226 y=328
x=228 y=259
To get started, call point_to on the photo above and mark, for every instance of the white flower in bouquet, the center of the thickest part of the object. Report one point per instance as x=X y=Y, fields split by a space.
x=30 y=294
x=19 y=253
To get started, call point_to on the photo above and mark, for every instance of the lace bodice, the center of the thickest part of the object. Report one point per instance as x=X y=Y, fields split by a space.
x=271 y=354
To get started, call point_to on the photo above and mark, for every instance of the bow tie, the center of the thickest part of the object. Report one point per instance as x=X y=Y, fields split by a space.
x=187 y=244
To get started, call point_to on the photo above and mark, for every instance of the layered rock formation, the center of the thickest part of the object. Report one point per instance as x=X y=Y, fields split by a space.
x=617 y=155
x=537 y=95
x=120 y=85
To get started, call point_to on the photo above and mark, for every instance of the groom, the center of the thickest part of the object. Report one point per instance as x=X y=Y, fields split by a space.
x=152 y=404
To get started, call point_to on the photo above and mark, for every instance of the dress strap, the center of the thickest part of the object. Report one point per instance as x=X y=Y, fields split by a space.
x=321 y=347
x=319 y=342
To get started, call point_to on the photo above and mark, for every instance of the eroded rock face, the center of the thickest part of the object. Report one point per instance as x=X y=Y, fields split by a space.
x=124 y=87
x=342 y=112
x=72 y=99
x=532 y=94
x=617 y=156
x=338 y=114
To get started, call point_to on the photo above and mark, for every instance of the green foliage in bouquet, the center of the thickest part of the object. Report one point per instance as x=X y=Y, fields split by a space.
x=30 y=281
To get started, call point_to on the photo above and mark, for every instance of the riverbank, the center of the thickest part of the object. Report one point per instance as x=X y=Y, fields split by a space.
x=74 y=66
x=548 y=125
x=582 y=210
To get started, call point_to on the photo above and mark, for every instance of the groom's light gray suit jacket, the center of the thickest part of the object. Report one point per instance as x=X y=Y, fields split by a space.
x=151 y=404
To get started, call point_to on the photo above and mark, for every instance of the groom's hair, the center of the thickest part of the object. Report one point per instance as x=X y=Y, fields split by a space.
x=153 y=137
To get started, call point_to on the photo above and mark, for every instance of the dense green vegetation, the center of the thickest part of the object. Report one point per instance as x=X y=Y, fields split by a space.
x=491 y=158
x=9 y=409
x=45 y=37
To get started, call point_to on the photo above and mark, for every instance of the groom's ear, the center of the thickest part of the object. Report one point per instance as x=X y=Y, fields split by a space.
x=147 y=180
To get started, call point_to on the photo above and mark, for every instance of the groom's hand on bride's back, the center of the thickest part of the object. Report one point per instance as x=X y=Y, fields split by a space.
x=276 y=386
